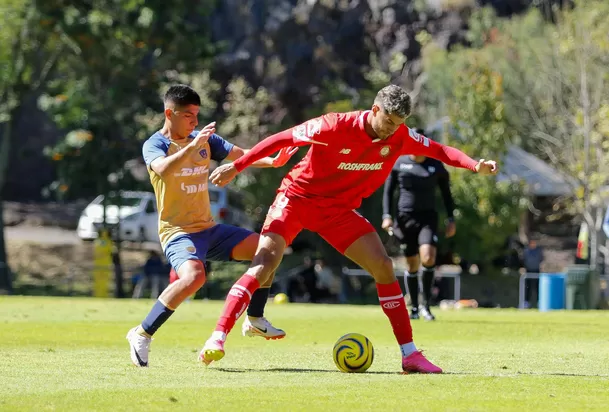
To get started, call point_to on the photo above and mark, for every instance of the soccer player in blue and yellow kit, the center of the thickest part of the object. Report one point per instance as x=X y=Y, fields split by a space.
x=178 y=159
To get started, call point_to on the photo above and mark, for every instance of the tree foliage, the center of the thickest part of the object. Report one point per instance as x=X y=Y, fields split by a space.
x=122 y=52
x=488 y=211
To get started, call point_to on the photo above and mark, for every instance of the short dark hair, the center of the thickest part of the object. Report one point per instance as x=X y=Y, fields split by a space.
x=182 y=95
x=394 y=100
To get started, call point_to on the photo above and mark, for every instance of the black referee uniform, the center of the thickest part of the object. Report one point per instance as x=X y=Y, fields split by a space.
x=417 y=216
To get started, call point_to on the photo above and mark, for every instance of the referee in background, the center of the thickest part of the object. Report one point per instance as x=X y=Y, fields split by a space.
x=416 y=225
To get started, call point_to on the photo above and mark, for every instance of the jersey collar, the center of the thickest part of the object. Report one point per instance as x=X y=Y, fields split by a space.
x=361 y=122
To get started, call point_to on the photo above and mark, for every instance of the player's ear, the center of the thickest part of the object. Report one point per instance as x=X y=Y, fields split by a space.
x=168 y=113
x=375 y=108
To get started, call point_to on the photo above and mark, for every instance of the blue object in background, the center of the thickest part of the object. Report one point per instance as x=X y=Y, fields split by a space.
x=551 y=291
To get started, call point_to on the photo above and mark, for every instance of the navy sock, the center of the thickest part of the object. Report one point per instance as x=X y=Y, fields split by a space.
x=428 y=275
x=258 y=302
x=157 y=316
x=412 y=282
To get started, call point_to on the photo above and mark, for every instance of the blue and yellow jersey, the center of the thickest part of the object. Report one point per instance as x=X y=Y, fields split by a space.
x=182 y=196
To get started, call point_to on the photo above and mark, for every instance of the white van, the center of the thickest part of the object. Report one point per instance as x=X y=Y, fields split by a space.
x=139 y=216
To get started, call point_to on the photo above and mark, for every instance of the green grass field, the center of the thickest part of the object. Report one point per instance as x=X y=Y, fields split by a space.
x=71 y=354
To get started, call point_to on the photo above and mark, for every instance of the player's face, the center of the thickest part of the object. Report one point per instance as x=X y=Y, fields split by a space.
x=383 y=123
x=183 y=119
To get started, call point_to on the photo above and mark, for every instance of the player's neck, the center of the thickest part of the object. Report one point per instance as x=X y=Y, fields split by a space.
x=418 y=159
x=166 y=131
x=369 y=130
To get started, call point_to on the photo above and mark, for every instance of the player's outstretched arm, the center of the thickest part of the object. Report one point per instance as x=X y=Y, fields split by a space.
x=281 y=159
x=422 y=146
x=300 y=135
x=162 y=165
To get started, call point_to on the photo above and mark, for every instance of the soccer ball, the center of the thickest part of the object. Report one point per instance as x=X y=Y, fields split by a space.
x=281 y=298
x=353 y=353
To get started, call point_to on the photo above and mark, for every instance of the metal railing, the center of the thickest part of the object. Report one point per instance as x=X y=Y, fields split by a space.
x=455 y=275
x=522 y=286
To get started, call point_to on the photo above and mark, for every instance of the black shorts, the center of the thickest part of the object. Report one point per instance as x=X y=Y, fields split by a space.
x=414 y=229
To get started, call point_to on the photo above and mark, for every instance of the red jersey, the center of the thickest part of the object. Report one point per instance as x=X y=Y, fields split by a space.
x=345 y=164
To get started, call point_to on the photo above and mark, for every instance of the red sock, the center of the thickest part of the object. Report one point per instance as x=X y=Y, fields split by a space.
x=393 y=304
x=236 y=302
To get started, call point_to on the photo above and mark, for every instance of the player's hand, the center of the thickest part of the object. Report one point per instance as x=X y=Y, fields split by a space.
x=451 y=229
x=224 y=174
x=203 y=136
x=487 y=167
x=387 y=224
x=284 y=155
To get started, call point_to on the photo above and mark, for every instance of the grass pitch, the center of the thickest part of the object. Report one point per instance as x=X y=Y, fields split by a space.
x=71 y=354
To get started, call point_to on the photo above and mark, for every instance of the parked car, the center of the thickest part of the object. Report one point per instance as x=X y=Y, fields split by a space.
x=139 y=216
x=137 y=213
x=227 y=206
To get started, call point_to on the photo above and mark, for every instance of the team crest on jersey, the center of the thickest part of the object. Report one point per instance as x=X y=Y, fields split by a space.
x=203 y=153
x=385 y=151
x=191 y=249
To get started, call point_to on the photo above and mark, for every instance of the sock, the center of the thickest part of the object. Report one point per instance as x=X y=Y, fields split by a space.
x=236 y=302
x=393 y=304
x=408 y=348
x=428 y=275
x=157 y=316
x=258 y=302
x=412 y=284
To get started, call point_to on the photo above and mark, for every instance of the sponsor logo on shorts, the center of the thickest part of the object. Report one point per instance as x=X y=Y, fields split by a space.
x=191 y=249
x=360 y=166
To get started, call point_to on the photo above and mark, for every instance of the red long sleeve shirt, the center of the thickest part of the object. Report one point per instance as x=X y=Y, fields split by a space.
x=345 y=164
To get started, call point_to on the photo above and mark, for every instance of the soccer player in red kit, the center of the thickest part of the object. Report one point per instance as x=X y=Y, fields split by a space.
x=350 y=157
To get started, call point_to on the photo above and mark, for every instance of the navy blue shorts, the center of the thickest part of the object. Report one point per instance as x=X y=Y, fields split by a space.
x=215 y=244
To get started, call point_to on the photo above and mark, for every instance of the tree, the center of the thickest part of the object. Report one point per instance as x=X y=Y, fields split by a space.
x=28 y=55
x=488 y=212
x=561 y=96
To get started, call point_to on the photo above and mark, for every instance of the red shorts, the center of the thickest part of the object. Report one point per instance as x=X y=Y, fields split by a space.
x=339 y=227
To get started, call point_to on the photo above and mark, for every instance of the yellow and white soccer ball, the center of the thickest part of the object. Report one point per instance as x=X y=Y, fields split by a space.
x=281 y=298
x=353 y=353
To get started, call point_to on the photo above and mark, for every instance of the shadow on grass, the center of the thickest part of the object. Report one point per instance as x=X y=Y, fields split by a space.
x=511 y=375
x=296 y=370
x=498 y=375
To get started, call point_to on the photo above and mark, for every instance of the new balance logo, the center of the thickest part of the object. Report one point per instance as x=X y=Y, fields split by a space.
x=190 y=189
x=190 y=171
x=345 y=151
x=360 y=166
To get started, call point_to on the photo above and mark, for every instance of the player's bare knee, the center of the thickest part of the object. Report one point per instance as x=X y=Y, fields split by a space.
x=192 y=275
x=428 y=261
